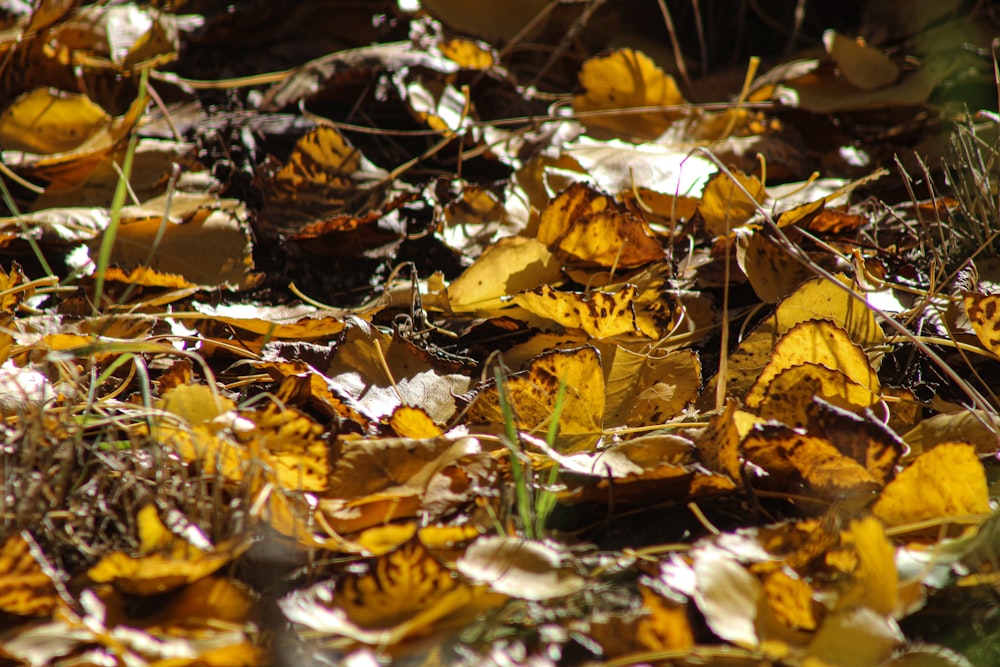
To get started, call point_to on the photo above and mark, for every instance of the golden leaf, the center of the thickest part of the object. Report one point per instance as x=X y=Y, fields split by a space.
x=865 y=67
x=532 y=395
x=466 y=53
x=599 y=314
x=789 y=394
x=592 y=227
x=165 y=562
x=772 y=271
x=724 y=205
x=818 y=342
x=665 y=627
x=791 y=599
x=790 y=456
x=718 y=446
x=25 y=588
x=622 y=80
x=984 y=314
x=405 y=594
x=947 y=480
x=46 y=121
x=409 y=422
x=874 y=581
x=505 y=268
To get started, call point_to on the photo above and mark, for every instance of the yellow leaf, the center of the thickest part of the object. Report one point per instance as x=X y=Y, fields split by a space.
x=599 y=314
x=984 y=314
x=817 y=342
x=409 y=422
x=874 y=581
x=790 y=456
x=466 y=53
x=46 y=121
x=773 y=272
x=718 y=446
x=532 y=395
x=792 y=390
x=725 y=206
x=25 y=588
x=865 y=67
x=166 y=561
x=791 y=599
x=592 y=227
x=505 y=268
x=405 y=594
x=622 y=80
x=665 y=627
x=947 y=480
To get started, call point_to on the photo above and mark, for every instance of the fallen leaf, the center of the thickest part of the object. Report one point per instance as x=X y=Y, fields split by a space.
x=724 y=205
x=945 y=481
x=532 y=395
x=519 y=568
x=405 y=594
x=26 y=589
x=623 y=80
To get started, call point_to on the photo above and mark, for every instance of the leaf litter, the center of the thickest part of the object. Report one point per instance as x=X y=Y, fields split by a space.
x=425 y=336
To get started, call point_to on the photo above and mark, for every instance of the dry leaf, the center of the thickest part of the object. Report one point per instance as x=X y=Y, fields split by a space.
x=405 y=594
x=519 y=568
x=945 y=481
x=622 y=80
x=532 y=394
x=725 y=206
x=26 y=589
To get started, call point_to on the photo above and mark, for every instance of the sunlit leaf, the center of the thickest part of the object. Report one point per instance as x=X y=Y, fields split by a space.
x=945 y=481
x=532 y=395
x=405 y=594
x=165 y=561
x=622 y=80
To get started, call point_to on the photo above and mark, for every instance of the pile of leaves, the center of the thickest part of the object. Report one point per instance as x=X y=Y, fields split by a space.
x=374 y=333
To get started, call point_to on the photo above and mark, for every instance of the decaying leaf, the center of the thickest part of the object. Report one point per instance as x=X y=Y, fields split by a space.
x=26 y=589
x=532 y=395
x=404 y=595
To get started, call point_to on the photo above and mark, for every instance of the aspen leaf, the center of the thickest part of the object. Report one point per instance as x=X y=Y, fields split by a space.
x=467 y=53
x=947 y=480
x=592 y=227
x=410 y=422
x=789 y=456
x=509 y=266
x=718 y=445
x=791 y=391
x=525 y=569
x=817 y=342
x=874 y=581
x=865 y=67
x=46 y=121
x=791 y=599
x=532 y=395
x=665 y=627
x=984 y=314
x=165 y=561
x=405 y=594
x=26 y=589
x=623 y=80
x=725 y=206
x=598 y=314
x=773 y=273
